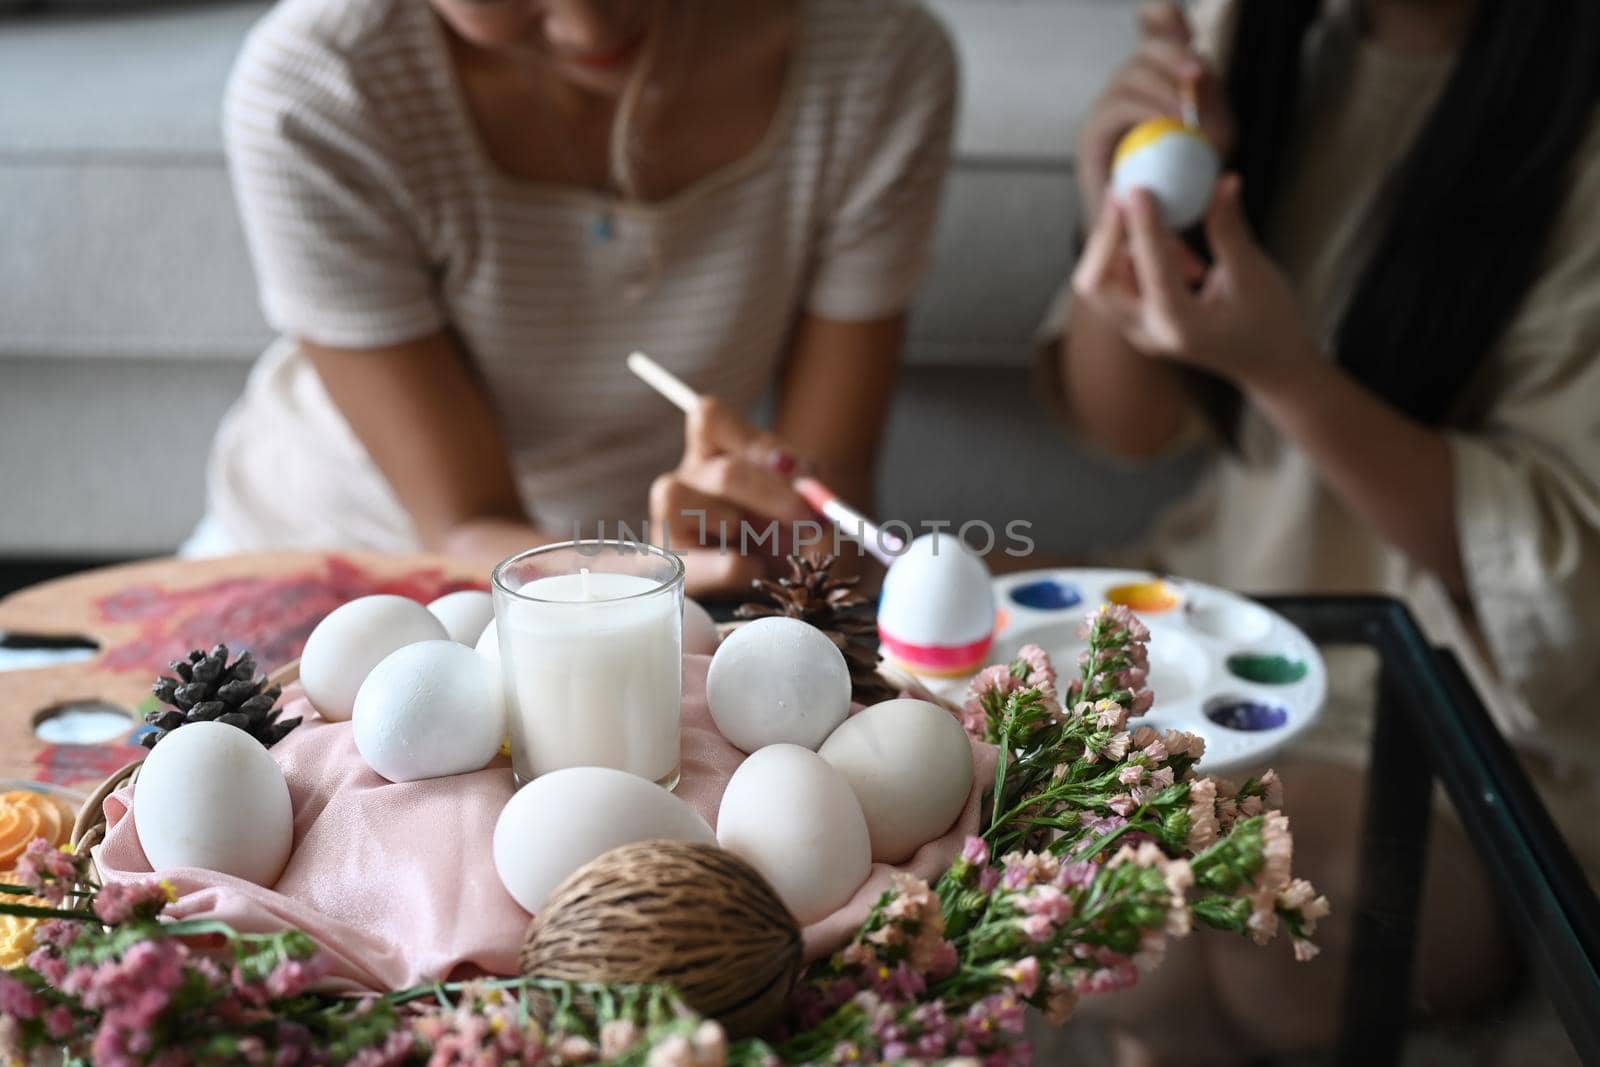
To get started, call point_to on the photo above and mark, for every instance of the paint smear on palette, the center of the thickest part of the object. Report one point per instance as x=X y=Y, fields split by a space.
x=1247 y=715
x=1047 y=595
x=1148 y=597
x=272 y=617
x=75 y=764
x=1267 y=668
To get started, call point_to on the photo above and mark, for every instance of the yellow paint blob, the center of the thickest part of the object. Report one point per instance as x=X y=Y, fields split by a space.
x=1149 y=598
x=1148 y=132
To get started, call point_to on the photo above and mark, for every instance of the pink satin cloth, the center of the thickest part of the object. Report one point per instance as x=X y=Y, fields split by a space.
x=397 y=881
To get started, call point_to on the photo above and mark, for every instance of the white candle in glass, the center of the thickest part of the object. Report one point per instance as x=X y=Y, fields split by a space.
x=590 y=649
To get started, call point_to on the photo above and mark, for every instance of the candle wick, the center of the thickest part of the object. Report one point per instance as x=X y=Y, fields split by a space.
x=583 y=581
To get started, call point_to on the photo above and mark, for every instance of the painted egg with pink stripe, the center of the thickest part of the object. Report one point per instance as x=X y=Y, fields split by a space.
x=936 y=616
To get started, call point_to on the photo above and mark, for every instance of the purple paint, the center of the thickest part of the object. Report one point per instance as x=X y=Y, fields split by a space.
x=1246 y=715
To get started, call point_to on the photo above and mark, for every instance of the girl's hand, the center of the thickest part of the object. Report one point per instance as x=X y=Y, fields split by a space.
x=717 y=506
x=1242 y=323
x=1149 y=85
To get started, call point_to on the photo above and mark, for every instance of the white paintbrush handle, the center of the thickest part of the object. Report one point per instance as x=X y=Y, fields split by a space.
x=664 y=382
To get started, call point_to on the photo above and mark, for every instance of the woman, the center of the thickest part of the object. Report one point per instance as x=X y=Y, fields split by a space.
x=465 y=213
x=1394 y=351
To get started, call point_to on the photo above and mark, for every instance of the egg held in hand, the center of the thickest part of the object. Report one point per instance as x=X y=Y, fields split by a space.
x=563 y=819
x=209 y=796
x=1174 y=162
x=777 y=680
x=430 y=709
x=910 y=766
x=936 y=614
x=351 y=640
x=792 y=817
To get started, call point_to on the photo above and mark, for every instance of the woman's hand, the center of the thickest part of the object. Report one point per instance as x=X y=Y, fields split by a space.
x=1242 y=322
x=1151 y=84
x=717 y=507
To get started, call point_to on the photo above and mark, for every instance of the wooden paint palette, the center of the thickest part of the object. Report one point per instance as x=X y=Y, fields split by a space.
x=125 y=623
x=1221 y=665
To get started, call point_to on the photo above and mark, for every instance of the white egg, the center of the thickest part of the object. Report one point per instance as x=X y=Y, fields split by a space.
x=791 y=816
x=562 y=820
x=699 y=631
x=910 y=766
x=777 y=680
x=936 y=614
x=430 y=709
x=464 y=614
x=488 y=645
x=351 y=640
x=1174 y=162
x=210 y=796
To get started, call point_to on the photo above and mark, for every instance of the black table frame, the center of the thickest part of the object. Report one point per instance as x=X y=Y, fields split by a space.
x=1430 y=719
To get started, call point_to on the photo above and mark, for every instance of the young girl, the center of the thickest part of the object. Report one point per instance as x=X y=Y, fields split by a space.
x=465 y=213
x=1394 y=351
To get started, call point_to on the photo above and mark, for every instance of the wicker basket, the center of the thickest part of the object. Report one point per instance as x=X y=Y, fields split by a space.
x=89 y=829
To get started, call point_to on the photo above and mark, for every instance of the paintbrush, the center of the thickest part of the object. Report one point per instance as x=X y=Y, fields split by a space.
x=882 y=545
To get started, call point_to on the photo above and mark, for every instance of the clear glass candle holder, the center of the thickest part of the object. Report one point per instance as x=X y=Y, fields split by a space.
x=591 y=637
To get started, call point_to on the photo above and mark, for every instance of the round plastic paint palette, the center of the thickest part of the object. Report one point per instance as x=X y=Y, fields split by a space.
x=1221 y=665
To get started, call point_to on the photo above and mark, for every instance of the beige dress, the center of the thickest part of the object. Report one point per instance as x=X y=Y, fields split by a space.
x=375 y=215
x=1525 y=439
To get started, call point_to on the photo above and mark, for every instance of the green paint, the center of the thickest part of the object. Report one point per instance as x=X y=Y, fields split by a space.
x=1267 y=669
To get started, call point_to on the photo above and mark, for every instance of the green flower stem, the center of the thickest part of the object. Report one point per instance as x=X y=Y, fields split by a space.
x=33 y=911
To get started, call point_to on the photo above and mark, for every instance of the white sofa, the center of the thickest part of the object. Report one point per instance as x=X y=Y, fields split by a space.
x=128 y=315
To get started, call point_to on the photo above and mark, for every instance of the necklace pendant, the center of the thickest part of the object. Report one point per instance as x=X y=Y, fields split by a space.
x=602 y=228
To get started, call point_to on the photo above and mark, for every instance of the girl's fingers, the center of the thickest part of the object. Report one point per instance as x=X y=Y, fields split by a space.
x=1193 y=267
x=716 y=428
x=683 y=517
x=1155 y=262
x=726 y=457
x=711 y=573
x=1226 y=226
x=1175 y=60
x=1099 y=253
x=1148 y=85
x=753 y=488
x=1164 y=20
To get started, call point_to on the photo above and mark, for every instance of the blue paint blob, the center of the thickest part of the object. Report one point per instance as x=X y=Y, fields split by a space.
x=1047 y=595
x=1247 y=715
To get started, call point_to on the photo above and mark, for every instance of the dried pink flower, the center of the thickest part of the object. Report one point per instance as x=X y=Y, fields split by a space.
x=1116 y=748
x=1037 y=927
x=674 y=1051
x=17 y=1000
x=1203 y=827
x=1024 y=975
x=1272 y=790
x=1048 y=901
x=1109 y=715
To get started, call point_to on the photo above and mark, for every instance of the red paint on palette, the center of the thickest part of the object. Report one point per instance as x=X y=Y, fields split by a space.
x=270 y=616
x=71 y=764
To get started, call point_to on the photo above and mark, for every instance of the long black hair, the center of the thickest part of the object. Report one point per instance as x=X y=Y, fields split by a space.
x=1476 y=194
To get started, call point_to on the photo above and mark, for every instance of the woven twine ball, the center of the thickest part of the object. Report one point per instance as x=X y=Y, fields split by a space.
x=690 y=915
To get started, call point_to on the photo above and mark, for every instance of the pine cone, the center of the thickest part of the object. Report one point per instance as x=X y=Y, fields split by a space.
x=208 y=687
x=812 y=594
